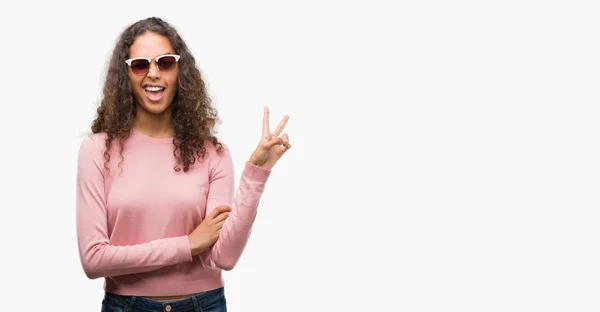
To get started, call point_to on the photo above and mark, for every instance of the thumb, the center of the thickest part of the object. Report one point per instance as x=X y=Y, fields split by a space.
x=270 y=144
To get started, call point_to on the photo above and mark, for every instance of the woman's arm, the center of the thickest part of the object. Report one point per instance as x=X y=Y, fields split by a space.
x=98 y=257
x=236 y=230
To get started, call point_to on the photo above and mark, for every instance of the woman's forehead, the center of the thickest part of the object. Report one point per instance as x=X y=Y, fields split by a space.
x=150 y=45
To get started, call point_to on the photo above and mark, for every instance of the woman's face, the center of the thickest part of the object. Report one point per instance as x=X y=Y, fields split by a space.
x=153 y=89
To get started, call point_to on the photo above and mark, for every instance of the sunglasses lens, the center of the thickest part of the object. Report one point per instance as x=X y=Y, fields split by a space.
x=167 y=63
x=140 y=66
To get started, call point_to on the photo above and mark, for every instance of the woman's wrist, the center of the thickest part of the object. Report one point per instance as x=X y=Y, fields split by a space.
x=254 y=163
x=194 y=250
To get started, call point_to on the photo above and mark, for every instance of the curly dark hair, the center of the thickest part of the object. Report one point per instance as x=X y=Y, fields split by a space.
x=193 y=116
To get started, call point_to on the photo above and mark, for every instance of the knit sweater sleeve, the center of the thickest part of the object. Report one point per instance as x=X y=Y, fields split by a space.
x=236 y=230
x=99 y=258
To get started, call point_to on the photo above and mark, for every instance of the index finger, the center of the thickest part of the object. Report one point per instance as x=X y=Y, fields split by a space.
x=217 y=211
x=281 y=125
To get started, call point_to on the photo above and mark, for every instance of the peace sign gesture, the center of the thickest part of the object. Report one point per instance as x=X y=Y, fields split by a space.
x=272 y=144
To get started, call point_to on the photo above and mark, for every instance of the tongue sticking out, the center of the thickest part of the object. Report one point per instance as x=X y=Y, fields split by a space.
x=154 y=95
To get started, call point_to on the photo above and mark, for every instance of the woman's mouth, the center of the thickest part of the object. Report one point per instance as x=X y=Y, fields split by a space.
x=154 y=93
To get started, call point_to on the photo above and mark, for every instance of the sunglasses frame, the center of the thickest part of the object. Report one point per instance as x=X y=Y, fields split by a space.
x=129 y=61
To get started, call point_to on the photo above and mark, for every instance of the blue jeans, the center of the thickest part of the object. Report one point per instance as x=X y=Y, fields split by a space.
x=209 y=301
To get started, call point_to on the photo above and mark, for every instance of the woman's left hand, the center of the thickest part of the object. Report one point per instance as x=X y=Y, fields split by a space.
x=272 y=144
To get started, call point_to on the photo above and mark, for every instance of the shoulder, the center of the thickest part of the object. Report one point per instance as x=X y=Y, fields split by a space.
x=216 y=151
x=217 y=155
x=92 y=145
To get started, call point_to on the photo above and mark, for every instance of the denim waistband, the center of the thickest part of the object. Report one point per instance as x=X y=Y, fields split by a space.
x=194 y=303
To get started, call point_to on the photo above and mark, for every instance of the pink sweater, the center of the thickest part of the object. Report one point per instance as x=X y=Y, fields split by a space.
x=133 y=222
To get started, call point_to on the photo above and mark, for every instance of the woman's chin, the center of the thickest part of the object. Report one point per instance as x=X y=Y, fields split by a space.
x=155 y=108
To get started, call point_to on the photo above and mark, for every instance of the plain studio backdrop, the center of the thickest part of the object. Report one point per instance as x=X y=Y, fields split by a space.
x=445 y=153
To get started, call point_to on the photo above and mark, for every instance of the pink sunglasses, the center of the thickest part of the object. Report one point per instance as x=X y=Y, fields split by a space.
x=141 y=65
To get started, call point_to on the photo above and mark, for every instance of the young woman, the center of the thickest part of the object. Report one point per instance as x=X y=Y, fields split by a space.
x=156 y=215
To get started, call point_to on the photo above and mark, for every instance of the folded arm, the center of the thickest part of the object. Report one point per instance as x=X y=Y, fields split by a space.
x=98 y=257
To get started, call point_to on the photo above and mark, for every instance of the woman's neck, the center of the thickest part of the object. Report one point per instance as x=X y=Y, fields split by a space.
x=156 y=126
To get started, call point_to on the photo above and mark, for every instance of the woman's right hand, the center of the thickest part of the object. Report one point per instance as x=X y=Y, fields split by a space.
x=207 y=233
